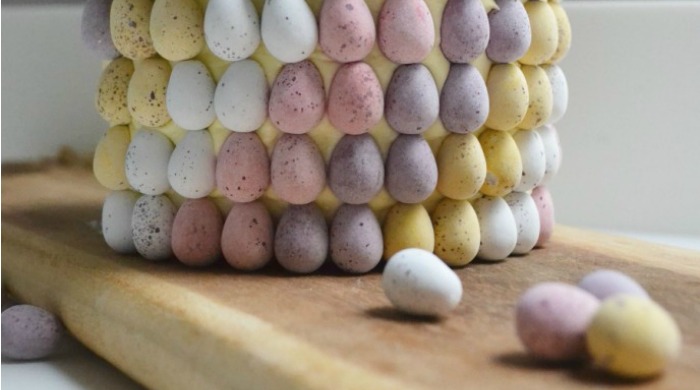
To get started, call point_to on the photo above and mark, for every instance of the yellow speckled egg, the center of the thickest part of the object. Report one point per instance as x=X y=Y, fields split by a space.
x=545 y=34
x=457 y=232
x=108 y=162
x=541 y=99
x=129 y=22
x=508 y=96
x=461 y=166
x=564 y=32
x=111 y=92
x=177 y=28
x=146 y=95
x=407 y=226
x=633 y=337
x=504 y=166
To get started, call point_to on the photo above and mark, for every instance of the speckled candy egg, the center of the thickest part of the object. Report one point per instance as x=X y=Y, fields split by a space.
x=563 y=32
x=540 y=95
x=356 y=169
x=510 y=31
x=129 y=23
x=418 y=282
x=412 y=101
x=240 y=99
x=152 y=226
x=552 y=151
x=192 y=165
x=464 y=32
x=406 y=33
x=297 y=169
x=147 y=160
x=499 y=233
x=111 y=98
x=94 y=28
x=301 y=239
x=508 y=97
x=527 y=221
x=503 y=164
x=461 y=166
x=411 y=169
x=545 y=208
x=297 y=100
x=109 y=158
x=289 y=30
x=532 y=156
x=464 y=100
x=551 y=320
x=346 y=30
x=146 y=94
x=356 y=243
x=117 y=210
x=604 y=283
x=543 y=28
x=231 y=29
x=177 y=28
x=457 y=234
x=407 y=226
x=243 y=168
x=248 y=236
x=196 y=235
x=190 y=95
x=355 y=99
x=560 y=92
x=29 y=332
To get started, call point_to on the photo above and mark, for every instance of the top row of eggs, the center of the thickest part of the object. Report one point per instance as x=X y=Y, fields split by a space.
x=534 y=33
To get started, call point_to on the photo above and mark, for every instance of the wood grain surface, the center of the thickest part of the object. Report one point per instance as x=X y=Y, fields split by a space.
x=173 y=327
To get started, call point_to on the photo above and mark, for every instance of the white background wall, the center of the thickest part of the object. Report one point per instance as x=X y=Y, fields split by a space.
x=631 y=137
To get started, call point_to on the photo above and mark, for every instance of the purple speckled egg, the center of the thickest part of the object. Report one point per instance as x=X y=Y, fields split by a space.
x=412 y=101
x=607 y=282
x=356 y=169
x=510 y=32
x=94 y=28
x=297 y=100
x=356 y=242
x=346 y=30
x=464 y=100
x=411 y=169
x=464 y=32
x=29 y=332
x=301 y=239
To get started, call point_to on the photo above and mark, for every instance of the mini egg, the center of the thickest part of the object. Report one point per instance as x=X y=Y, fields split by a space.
x=94 y=28
x=464 y=31
x=346 y=30
x=146 y=94
x=508 y=96
x=633 y=337
x=560 y=92
x=109 y=158
x=551 y=319
x=289 y=30
x=111 y=98
x=152 y=226
x=510 y=31
x=231 y=29
x=297 y=99
x=176 y=28
x=563 y=32
x=297 y=169
x=527 y=221
x=457 y=233
x=196 y=235
x=190 y=95
x=129 y=24
x=540 y=95
x=499 y=233
x=532 y=156
x=461 y=166
x=29 y=333
x=356 y=243
x=406 y=33
x=248 y=236
x=411 y=169
x=242 y=167
x=545 y=208
x=503 y=163
x=552 y=151
x=418 y=282
x=412 y=101
x=407 y=226
x=146 y=162
x=117 y=210
x=604 y=283
x=464 y=100
x=544 y=33
x=192 y=165
x=355 y=99
x=301 y=239
x=240 y=99
x=356 y=169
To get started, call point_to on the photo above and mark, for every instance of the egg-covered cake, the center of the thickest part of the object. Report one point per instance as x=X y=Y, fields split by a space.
x=341 y=130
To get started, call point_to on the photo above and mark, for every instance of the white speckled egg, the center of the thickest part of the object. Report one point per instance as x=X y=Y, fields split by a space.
x=604 y=283
x=533 y=159
x=146 y=162
x=152 y=226
x=116 y=220
x=552 y=151
x=29 y=332
x=499 y=234
x=527 y=221
x=192 y=166
x=231 y=29
x=560 y=92
x=418 y=282
x=240 y=100
x=190 y=96
x=289 y=30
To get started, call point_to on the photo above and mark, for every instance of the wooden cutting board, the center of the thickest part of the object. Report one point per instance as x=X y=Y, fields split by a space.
x=173 y=327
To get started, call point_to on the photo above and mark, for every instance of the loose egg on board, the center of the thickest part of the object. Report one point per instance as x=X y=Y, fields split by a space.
x=464 y=31
x=508 y=97
x=560 y=92
x=355 y=99
x=196 y=235
x=297 y=169
x=532 y=156
x=356 y=169
x=545 y=34
x=346 y=30
x=527 y=221
x=108 y=161
x=418 y=282
x=231 y=29
x=356 y=242
x=461 y=166
x=152 y=226
x=633 y=337
x=412 y=101
x=552 y=151
x=242 y=167
x=29 y=332
x=176 y=28
x=510 y=31
x=129 y=24
x=146 y=94
x=545 y=208
x=499 y=233
x=604 y=283
x=503 y=163
x=551 y=319
x=457 y=233
x=190 y=95
x=407 y=226
x=146 y=162
x=301 y=239
x=94 y=28
x=248 y=236
x=405 y=31
x=289 y=30
x=464 y=100
x=411 y=169
x=297 y=99
x=111 y=98
x=240 y=99
x=564 y=33
x=117 y=210
x=192 y=165
x=540 y=95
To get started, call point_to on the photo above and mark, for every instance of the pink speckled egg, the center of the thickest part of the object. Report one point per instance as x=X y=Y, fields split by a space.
x=346 y=30
x=355 y=99
x=412 y=101
x=242 y=167
x=510 y=31
x=297 y=100
x=406 y=33
x=196 y=236
x=297 y=169
x=411 y=169
x=301 y=239
x=464 y=32
x=248 y=235
x=545 y=207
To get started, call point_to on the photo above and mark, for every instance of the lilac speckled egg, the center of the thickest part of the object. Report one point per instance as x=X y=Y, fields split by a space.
x=406 y=33
x=510 y=31
x=248 y=236
x=94 y=28
x=297 y=169
x=551 y=320
x=356 y=169
x=412 y=101
x=196 y=236
x=604 y=283
x=242 y=167
x=464 y=32
x=356 y=242
x=346 y=30
x=545 y=208
x=355 y=99
x=301 y=239
x=411 y=169
x=297 y=100
x=464 y=100
x=152 y=227
x=29 y=332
